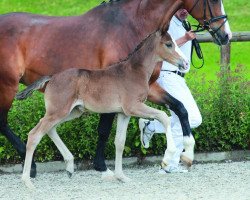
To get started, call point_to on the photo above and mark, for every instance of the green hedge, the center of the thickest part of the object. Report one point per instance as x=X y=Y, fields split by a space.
x=225 y=107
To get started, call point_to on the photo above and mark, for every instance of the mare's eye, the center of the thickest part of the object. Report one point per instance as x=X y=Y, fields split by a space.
x=169 y=45
x=215 y=1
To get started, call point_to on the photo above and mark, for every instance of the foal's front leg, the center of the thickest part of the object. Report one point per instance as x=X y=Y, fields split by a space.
x=160 y=96
x=142 y=110
x=120 y=138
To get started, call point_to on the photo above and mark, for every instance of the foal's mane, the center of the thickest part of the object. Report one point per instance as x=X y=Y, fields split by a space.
x=139 y=46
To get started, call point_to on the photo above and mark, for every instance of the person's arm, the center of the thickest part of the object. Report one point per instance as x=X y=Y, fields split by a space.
x=187 y=37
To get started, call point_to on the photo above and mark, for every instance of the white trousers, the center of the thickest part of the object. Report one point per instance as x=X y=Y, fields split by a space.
x=176 y=86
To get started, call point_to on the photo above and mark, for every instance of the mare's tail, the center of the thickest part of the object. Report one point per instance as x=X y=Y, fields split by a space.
x=39 y=84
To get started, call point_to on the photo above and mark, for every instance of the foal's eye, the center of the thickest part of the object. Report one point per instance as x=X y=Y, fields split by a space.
x=169 y=45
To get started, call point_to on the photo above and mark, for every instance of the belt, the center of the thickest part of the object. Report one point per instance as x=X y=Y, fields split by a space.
x=176 y=72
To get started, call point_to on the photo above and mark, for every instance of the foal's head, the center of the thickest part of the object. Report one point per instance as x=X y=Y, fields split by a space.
x=168 y=50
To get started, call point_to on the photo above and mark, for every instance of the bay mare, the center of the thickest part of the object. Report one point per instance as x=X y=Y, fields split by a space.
x=32 y=46
x=122 y=89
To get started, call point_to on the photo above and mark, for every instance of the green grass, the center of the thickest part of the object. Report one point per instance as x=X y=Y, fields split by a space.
x=48 y=7
x=238 y=13
x=239 y=20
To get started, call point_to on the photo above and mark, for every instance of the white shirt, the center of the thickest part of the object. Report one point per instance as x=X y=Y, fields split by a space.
x=176 y=30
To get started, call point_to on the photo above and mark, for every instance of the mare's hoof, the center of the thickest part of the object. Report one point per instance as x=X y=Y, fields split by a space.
x=100 y=166
x=33 y=172
x=69 y=174
x=187 y=162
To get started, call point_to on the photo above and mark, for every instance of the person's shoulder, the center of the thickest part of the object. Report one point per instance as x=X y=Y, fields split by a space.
x=174 y=22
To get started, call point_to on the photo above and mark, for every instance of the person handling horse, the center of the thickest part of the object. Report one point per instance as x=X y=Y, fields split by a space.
x=172 y=80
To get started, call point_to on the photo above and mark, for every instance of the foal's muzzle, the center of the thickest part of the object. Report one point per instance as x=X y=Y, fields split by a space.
x=183 y=65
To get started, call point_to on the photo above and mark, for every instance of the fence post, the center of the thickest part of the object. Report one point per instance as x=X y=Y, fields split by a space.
x=225 y=56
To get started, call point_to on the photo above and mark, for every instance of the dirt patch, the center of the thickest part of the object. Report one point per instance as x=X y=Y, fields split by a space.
x=211 y=181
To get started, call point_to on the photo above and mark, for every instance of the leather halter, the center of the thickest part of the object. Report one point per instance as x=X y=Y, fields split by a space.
x=208 y=22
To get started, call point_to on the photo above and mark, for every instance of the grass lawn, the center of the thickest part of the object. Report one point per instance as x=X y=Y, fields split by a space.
x=238 y=12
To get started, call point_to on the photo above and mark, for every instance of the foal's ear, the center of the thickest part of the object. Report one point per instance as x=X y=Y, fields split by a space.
x=164 y=29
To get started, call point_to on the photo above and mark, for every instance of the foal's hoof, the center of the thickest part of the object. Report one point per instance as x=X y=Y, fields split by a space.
x=28 y=183
x=69 y=174
x=123 y=178
x=108 y=175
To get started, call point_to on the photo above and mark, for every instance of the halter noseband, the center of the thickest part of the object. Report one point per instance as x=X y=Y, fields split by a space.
x=208 y=22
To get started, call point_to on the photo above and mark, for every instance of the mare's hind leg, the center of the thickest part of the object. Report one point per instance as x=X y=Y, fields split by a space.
x=120 y=138
x=8 y=90
x=142 y=110
x=104 y=129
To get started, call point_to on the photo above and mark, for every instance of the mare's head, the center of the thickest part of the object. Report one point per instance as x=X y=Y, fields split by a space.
x=211 y=16
x=168 y=50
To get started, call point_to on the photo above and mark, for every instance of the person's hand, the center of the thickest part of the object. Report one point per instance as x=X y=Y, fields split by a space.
x=190 y=35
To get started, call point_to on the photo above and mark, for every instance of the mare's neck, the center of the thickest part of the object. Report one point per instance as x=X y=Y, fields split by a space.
x=154 y=14
x=145 y=58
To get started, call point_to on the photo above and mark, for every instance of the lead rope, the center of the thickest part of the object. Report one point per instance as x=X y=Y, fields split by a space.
x=195 y=45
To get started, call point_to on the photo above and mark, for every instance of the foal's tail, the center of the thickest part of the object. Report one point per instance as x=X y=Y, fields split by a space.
x=39 y=84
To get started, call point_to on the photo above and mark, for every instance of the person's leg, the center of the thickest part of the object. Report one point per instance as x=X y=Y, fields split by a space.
x=178 y=139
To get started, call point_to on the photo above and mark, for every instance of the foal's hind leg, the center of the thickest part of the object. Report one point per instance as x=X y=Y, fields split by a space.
x=35 y=136
x=8 y=90
x=67 y=155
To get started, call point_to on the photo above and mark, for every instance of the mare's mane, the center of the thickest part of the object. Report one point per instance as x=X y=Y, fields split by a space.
x=110 y=1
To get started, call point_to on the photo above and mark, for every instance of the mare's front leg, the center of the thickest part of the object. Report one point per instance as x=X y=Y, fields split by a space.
x=8 y=88
x=104 y=129
x=162 y=97
x=120 y=138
